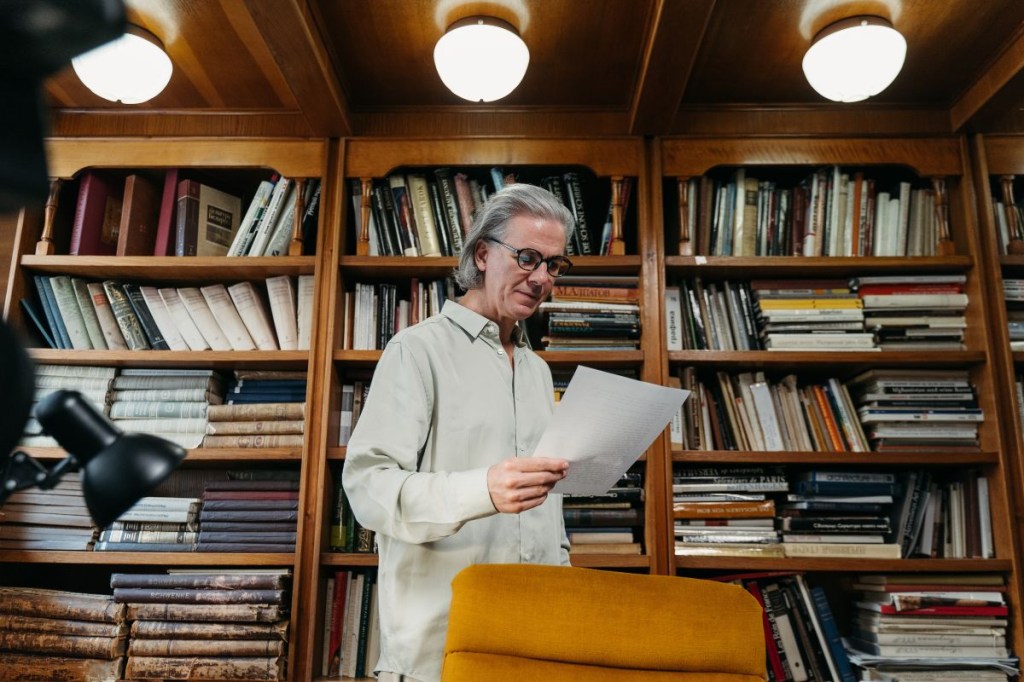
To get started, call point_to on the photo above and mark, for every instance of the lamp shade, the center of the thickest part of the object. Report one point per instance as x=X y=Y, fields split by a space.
x=117 y=468
x=481 y=59
x=131 y=69
x=854 y=59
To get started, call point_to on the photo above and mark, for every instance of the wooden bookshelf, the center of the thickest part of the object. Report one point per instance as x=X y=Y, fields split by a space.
x=37 y=250
x=946 y=159
x=651 y=253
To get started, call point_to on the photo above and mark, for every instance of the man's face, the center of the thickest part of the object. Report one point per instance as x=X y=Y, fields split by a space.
x=512 y=293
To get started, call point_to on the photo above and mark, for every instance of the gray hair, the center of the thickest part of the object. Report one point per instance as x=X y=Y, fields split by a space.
x=492 y=220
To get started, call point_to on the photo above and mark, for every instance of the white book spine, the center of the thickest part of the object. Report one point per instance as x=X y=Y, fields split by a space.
x=673 y=318
x=282 y=192
x=304 y=316
x=85 y=305
x=281 y=292
x=164 y=321
x=250 y=222
x=282 y=232
x=203 y=318
x=182 y=321
x=250 y=308
x=227 y=316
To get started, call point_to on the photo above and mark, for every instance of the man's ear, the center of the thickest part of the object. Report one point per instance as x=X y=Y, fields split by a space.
x=481 y=255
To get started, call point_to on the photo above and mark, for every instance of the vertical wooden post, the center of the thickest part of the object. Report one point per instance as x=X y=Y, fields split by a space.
x=617 y=246
x=1013 y=226
x=363 y=242
x=685 y=228
x=295 y=247
x=945 y=245
x=45 y=247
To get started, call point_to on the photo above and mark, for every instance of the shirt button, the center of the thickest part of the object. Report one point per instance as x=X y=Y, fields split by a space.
x=501 y=352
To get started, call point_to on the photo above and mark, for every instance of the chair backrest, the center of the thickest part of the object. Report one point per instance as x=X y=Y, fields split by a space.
x=512 y=623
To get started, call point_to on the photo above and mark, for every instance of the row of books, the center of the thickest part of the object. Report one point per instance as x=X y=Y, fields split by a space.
x=1013 y=295
x=881 y=410
x=75 y=313
x=351 y=628
x=428 y=213
x=191 y=407
x=883 y=312
x=347 y=535
x=373 y=313
x=610 y=523
x=206 y=624
x=232 y=514
x=1009 y=220
x=831 y=212
x=767 y=511
x=141 y=214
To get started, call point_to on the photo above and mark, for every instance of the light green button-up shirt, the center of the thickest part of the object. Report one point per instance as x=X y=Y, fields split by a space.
x=445 y=405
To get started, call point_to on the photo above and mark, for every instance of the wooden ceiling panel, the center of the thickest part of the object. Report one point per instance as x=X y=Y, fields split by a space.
x=581 y=56
x=221 y=61
x=753 y=50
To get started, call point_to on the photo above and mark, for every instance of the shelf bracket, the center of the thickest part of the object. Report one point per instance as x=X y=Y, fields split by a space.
x=363 y=242
x=44 y=247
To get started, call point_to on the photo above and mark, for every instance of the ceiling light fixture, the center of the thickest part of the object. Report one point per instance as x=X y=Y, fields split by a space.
x=132 y=69
x=481 y=59
x=855 y=58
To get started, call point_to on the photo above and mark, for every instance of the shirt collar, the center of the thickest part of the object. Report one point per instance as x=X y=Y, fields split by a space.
x=474 y=323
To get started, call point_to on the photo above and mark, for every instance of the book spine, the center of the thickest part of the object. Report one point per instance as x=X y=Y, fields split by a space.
x=229 y=645
x=254 y=315
x=146 y=319
x=203 y=318
x=186 y=234
x=162 y=318
x=182 y=321
x=254 y=441
x=281 y=292
x=88 y=311
x=205 y=668
x=127 y=321
x=228 y=319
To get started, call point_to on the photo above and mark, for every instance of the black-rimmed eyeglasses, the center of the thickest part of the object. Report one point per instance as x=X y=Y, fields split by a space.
x=530 y=259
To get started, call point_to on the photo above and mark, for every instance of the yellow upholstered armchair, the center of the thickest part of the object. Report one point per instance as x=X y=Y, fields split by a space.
x=516 y=623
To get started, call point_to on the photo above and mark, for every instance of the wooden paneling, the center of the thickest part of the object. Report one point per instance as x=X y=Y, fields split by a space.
x=597 y=67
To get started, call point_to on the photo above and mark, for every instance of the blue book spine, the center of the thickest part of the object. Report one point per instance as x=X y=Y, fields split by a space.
x=52 y=312
x=835 y=643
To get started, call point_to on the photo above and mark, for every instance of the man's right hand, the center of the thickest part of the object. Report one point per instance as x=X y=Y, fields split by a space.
x=520 y=483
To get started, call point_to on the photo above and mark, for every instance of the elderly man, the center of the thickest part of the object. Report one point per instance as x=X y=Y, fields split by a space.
x=439 y=464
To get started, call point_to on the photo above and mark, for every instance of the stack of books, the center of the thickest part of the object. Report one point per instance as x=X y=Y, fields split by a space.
x=250 y=512
x=93 y=383
x=914 y=312
x=256 y=425
x=168 y=403
x=811 y=315
x=59 y=635
x=590 y=325
x=201 y=624
x=277 y=400
x=904 y=409
x=1013 y=294
x=742 y=529
x=823 y=515
x=54 y=519
x=931 y=627
x=607 y=524
x=153 y=524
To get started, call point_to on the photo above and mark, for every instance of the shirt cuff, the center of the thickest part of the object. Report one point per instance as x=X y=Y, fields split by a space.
x=471 y=491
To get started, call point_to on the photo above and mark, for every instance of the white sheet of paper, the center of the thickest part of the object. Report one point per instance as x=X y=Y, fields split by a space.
x=602 y=424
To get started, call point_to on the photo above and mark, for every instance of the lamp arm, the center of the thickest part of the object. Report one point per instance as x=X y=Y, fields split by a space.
x=19 y=470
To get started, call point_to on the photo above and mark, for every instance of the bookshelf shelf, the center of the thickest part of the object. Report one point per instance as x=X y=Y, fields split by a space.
x=930 y=458
x=346 y=559
x=149 y=558
x=279 y=359
x=845 y=565
x=630 y=358
x=170 y=268
x=201 y=455
x=847 y=361
x=385 y=267
x=798 y=266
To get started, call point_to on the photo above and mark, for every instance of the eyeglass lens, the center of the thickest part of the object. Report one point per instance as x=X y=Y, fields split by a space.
x=530 y=260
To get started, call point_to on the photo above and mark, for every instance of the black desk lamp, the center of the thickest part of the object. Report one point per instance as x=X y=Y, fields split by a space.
x=117 y=468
